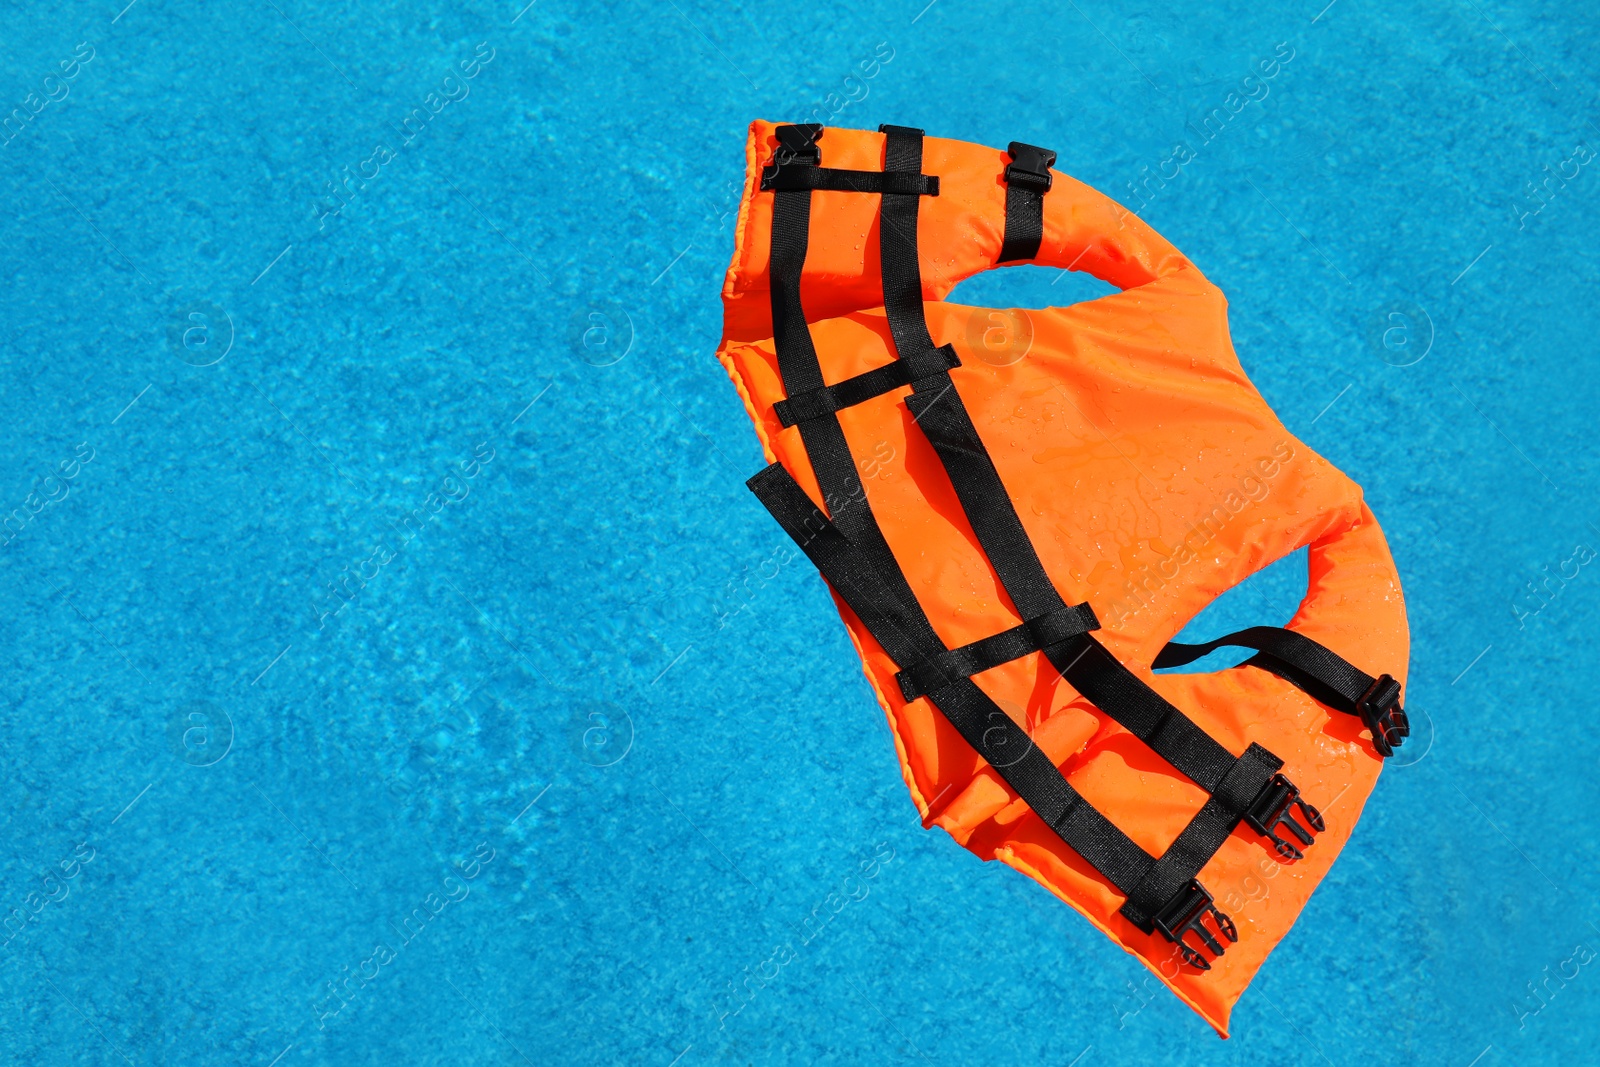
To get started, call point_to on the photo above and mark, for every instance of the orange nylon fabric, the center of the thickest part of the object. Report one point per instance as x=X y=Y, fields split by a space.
x=1150 y=475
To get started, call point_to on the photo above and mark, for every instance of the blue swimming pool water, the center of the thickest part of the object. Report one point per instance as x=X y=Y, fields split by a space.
x=374 y=611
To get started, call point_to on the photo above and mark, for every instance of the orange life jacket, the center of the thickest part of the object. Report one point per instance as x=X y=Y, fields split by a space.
x=1017 y=510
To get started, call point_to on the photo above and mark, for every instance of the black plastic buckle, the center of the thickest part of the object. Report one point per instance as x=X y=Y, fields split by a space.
x=1379 y=707
x=798 y=145
x=1274 y=807
x=1184 y=914
x=1030 y=167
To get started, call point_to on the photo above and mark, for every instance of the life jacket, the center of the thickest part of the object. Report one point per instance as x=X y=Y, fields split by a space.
x=1016 y=511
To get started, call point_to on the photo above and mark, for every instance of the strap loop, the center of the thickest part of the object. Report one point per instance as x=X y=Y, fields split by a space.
x=795 y=177
x=818 y=403
x=1059 y=625
x=936 y=672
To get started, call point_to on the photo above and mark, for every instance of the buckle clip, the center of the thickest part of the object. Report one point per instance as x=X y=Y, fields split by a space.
x=1030 y=167
x=798 y=145
x=1184 y=914
x=1379 y=707
x=1274 y=807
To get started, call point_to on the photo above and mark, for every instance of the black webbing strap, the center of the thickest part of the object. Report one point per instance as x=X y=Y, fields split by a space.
x=1234 y=783
x=907 y=636
x=843 y=494
x=1158 y=900
x=850 y=549
x=1027 y=180
x=897 y=246
x=1317 y=670
x=853 y=555
x=1083 y=661
x=1029 y=637
x=863 y=387
x=1211 y=826
x=791 y=178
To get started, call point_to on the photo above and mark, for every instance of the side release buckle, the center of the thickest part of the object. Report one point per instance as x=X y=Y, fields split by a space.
x=798 y=145
x=1185 y=914
x=1030 y=167
x=1274 y=807
x=1379 y=707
